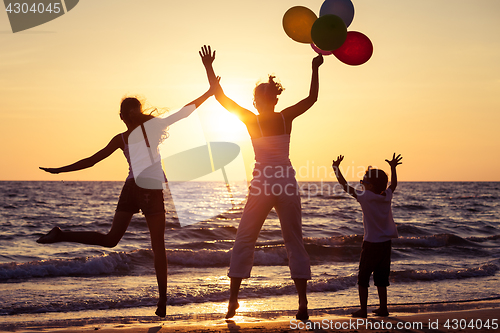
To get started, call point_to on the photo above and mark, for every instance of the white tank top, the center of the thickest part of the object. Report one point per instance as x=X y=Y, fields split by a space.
x=144 y=159
x=272 y=150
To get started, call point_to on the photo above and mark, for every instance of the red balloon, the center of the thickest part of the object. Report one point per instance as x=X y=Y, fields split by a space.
x=356 y=50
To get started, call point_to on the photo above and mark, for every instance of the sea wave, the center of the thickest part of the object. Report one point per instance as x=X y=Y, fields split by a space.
x=442 y=240
x=438 y=240
x=448 y=274
x=267 y=253
x=87 y=266
x=180 y=295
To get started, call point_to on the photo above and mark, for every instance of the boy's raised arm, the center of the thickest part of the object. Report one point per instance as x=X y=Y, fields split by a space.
x=396 y=160
x=340 y=177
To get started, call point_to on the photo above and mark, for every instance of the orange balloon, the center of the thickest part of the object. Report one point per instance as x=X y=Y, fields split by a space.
x=298 y=22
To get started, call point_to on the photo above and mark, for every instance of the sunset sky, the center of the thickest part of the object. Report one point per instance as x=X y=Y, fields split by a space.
x=430 y=91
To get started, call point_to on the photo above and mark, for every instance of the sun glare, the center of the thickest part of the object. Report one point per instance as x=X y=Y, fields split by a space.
x=223 y=126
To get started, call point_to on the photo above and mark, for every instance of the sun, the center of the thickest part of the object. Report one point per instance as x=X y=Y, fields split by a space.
x=224 y=126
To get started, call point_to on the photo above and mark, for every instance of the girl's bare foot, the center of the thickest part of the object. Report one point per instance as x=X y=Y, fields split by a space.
x=161 y=308
x=381 y=312
x=51 y=237
x=302 y=314
x=231 y=309
x=359 y=314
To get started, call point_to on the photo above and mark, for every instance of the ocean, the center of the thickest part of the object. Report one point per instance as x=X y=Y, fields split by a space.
x=448 y=250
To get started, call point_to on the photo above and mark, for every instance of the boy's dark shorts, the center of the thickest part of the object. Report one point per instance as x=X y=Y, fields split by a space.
x=134 y=198
x=376 y=259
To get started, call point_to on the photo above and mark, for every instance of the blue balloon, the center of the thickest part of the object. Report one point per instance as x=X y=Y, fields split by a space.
x=342 y=8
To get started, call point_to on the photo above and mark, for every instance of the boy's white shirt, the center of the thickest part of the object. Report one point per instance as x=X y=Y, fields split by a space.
x=378 y=222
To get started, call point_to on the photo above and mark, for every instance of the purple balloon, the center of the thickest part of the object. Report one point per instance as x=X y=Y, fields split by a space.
x=342 y=8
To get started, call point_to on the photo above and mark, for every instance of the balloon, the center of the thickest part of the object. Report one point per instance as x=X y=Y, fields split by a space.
x=297 y=23
x=356 y=50
x=342 y=8
x=329 y=32
x=320 y=51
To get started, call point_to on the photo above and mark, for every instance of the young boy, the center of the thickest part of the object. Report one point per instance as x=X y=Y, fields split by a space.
x=379 y=229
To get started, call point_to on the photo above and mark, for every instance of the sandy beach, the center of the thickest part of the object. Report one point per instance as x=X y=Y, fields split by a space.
x=470 y=316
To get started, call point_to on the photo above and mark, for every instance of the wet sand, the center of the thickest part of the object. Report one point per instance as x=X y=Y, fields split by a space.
x=471 y=316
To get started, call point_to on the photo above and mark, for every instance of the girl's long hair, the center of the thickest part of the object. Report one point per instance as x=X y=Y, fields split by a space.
x=133 y=112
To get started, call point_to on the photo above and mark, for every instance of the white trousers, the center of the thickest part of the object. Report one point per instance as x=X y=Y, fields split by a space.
x=266 y=193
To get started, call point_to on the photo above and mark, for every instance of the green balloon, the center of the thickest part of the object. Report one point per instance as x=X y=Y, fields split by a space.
x=329 y=32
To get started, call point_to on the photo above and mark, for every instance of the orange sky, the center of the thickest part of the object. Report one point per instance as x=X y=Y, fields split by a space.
x=430 y=91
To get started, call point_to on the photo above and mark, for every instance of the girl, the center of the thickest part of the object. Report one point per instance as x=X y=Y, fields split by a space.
x=274 y=183
x=148 y=199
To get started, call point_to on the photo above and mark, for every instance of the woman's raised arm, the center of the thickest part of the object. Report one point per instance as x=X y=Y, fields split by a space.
x=305 y=104
x=207 y=57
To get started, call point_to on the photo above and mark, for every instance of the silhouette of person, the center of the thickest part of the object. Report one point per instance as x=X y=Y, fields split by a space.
x=142 y=189
x=379 y=229
x=273 y=183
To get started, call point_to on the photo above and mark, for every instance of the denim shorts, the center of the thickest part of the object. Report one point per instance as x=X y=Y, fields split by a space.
x=376 y=259
x=134 y=198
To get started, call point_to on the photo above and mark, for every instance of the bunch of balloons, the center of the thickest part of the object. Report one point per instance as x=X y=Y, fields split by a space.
x=328 y=34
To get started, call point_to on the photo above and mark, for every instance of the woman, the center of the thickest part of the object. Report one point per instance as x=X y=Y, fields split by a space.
x=274 y=183
x=137 y=194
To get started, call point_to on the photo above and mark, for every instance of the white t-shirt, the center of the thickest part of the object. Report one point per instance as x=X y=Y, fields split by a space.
x=378 y=223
